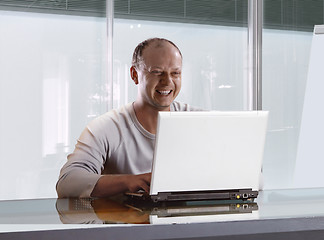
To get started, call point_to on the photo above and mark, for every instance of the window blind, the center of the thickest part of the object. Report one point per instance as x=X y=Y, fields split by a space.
x=300 y=15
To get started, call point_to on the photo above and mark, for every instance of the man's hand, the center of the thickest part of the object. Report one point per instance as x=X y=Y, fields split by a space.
x=109 y=185
x=139 y=182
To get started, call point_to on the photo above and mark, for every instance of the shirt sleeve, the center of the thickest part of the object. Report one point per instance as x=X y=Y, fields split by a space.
x=84 y=167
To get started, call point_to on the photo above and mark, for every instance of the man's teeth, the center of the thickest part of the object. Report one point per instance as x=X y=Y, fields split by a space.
x=164 y=92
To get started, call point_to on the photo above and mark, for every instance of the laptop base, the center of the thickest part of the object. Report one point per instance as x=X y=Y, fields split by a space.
x=233 y=194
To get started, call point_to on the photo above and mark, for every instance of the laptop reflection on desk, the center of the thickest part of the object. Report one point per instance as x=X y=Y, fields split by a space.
x=196 y=211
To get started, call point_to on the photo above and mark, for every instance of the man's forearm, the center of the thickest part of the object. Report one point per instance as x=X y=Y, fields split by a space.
x=109 y=185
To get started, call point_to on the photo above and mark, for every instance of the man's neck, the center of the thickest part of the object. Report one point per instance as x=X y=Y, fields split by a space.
x=147 y=116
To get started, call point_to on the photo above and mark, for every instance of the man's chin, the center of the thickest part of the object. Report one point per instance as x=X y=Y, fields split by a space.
x=163 y=107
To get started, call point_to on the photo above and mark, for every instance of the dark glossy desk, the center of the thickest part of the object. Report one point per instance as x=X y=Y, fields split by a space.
x=277 y=214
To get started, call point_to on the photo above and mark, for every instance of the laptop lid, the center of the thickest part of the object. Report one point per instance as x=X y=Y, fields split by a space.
x=204 y=151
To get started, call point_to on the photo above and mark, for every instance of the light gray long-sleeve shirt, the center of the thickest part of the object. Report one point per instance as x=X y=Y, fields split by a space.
x=114 y=143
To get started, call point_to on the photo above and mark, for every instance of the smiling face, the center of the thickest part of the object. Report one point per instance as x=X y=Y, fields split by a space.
x=158 y=75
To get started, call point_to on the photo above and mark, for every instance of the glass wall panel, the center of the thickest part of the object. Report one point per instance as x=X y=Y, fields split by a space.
x=287 y=39
x=52 y=82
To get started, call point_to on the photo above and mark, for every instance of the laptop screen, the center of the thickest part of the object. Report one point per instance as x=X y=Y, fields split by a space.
x=199 y=151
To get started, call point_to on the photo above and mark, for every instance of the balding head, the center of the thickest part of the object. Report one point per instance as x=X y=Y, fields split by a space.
x=156 y=42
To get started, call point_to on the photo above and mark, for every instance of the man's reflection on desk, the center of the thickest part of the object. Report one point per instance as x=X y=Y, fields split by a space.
x=116 y=211
x=98 y=211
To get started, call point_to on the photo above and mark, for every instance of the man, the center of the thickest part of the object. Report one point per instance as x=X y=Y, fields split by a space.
x=114 y=153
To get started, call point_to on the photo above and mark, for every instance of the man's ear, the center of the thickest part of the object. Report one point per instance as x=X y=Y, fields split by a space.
x=134 y=74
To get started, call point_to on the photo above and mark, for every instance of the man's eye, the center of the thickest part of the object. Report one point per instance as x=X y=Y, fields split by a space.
x=157 y=72
x=176 y=73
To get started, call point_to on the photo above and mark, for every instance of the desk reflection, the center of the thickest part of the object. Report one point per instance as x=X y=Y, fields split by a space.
x=130 y=211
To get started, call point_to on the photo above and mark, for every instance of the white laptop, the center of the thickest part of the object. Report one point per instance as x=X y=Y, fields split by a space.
x=208 y=155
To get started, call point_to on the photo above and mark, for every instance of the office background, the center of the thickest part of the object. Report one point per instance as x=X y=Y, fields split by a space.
x=54 y=71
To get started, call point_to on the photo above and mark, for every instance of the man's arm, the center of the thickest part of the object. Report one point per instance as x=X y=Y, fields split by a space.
x=81 y=176
x=109 y=185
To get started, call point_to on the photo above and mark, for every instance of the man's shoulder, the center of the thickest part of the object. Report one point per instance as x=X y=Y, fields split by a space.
x=182 y=107
x=116 y=113
x=113 y=117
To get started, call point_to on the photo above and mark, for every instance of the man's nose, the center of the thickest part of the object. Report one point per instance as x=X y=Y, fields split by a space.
x=166 y=78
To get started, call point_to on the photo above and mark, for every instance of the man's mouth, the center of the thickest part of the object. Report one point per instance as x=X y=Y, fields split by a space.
x=164 y=92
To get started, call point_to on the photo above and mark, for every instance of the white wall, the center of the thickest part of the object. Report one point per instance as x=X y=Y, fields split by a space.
x=51 y=73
